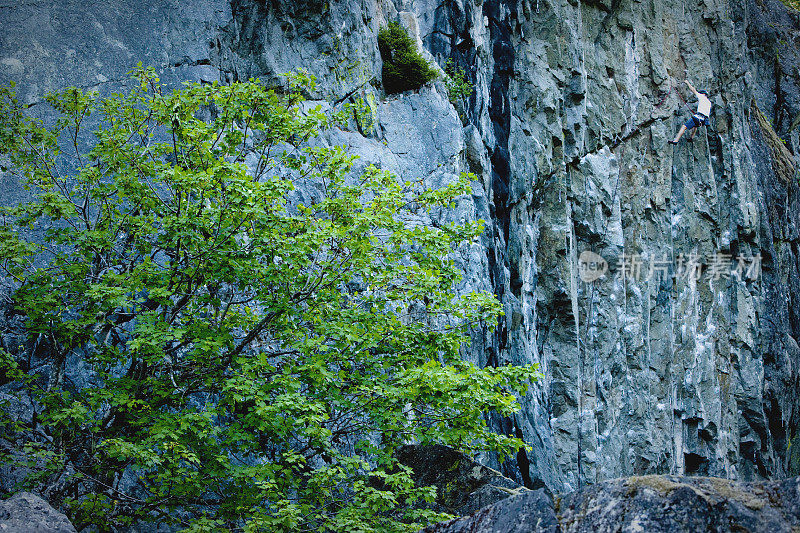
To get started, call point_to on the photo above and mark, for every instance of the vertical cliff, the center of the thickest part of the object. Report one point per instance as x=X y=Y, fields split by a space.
x=567 y=132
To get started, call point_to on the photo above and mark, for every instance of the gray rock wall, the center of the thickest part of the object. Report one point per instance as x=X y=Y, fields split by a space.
x=567 y=133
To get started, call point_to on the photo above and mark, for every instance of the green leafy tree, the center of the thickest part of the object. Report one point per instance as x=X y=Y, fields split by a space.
x=245 y=361
x=404 y=69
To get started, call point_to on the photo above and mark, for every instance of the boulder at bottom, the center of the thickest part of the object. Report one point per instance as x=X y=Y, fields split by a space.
x=651 y=504
x=26 y=513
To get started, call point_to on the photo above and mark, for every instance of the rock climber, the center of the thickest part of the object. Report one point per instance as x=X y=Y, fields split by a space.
x=700 y=118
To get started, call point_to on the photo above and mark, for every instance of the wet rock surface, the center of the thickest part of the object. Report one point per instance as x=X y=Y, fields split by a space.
x=649 y=503
x=28 y=513
x=567 y=133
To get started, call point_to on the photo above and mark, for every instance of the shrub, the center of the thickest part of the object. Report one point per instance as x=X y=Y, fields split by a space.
x=241 y=361
x=404 y=69
x=458 y=86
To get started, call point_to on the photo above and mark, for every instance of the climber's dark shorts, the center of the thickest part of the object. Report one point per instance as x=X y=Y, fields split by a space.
x=697 y=120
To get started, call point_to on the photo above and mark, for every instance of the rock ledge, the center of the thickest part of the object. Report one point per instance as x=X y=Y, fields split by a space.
x=652 y=504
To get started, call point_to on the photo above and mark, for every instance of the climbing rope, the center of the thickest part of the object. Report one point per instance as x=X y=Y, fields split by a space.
x=617 y=140
x=685 y=103
x=666 y=96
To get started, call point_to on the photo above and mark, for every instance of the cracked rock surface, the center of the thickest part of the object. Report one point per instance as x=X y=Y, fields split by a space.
x=650 y=503
x=567 y=132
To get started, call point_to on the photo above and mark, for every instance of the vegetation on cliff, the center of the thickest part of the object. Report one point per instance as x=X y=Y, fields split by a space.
x=404 y=69
x=250 y=359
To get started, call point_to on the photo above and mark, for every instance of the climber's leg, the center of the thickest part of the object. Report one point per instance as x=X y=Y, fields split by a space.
x=679 y=135
x=691 y=124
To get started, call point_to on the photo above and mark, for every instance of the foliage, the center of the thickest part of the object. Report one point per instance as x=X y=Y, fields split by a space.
x=792 y=4
x=220 y=355
x=458 y=86
x=404 y=69
x=364 y=113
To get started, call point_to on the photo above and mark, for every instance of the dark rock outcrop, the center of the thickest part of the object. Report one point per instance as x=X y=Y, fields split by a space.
x=524 y=513
x=463 y=485
x=652 y=504
x=28 y=513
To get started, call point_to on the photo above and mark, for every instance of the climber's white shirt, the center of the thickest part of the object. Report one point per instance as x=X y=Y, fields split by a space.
x=703 y=105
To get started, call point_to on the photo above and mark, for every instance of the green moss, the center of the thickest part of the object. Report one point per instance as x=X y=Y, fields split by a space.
x=404 y=69
x=792 y=4
x=782 y=160
x=710 y=489
x=730 y=491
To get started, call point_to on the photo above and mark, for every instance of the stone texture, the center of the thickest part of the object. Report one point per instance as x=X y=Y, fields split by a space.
x=525 y=513
x=567 y=132
x=26 y=513
x=651 y=503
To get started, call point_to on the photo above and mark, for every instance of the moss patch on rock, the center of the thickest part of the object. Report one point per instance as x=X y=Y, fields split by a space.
x=710 y=489
x=782 y=160
x=731 y=491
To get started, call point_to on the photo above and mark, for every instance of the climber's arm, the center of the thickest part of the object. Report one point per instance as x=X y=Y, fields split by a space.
x=692 y=88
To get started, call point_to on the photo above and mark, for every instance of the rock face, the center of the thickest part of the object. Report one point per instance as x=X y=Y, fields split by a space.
x=567 y=134
x=650 y=503
x=26 y=512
